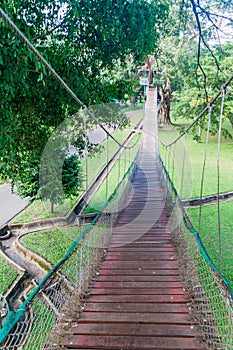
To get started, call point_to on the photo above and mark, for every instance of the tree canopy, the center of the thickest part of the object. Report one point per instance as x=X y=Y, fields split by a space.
x=196 y=55
x=83 y=41
x=93 y=46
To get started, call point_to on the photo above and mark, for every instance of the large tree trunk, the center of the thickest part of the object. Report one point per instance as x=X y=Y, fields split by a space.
x=164 y=109
x=133 y=101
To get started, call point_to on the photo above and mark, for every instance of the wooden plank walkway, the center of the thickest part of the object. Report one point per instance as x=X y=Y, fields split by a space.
x=138 y=300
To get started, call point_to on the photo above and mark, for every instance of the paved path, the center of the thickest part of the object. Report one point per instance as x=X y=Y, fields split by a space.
x=138 y=299
x=10 y=204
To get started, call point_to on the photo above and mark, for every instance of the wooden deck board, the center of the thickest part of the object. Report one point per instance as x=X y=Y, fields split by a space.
x=111 y=342
x=154 y=330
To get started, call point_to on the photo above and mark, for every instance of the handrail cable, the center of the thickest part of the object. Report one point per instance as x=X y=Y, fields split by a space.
x=218 y=178
x=204 y=165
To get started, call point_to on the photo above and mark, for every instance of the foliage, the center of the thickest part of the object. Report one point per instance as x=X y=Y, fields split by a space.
x=192 y=57
x=93 y=165
x=80 y=39
x=189 y=97
x=50 y=187
x=41 y=210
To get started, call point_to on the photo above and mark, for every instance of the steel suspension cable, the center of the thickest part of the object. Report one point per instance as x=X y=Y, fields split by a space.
x=204 y=165
x=169 y=159
x=107 y=162
x=86 y=149
x=173 y=162
x=183 y=168
x=218 y=177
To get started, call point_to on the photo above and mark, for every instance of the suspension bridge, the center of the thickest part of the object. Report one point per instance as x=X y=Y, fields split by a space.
x=138 y=276
x=138 y=299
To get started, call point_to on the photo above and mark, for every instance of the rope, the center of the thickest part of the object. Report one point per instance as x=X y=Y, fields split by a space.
x=173 y=162
x=107 y=160
x=218 y=177
x=169 y=158
x=183 y=168
x=85 y=149
x=204 y=166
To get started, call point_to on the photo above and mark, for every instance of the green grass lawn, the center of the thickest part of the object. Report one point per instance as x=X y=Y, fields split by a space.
x=53 y=244
x=41 y=210
x=7 y=276
x=209 y=234
x=139 y=105
x=194 y=157
x=193 y=165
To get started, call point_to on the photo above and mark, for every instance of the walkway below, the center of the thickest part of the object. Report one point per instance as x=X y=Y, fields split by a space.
x=10 y=204
x=138 y=300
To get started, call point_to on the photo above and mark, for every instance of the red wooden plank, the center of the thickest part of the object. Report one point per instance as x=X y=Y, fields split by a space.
x=138 y=249
x=133 y=278
x=139 y=236
x=162 y=238
x=136 y=225
x=138 y=272
x=134 y=317
x=137 y=329
x=140 y=246
x=137 y=307
x=140 y=256
x=140 y=265
x=131 y=342
x=140 y=240
x=134 y=291
x=141 y=298
x=137 y=285
x=123 y=230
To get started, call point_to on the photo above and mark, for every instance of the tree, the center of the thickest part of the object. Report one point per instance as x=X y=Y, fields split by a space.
x=164 y=109
x=191 y=56
x=44 y=184
x=81 y=40
x=189 y=99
